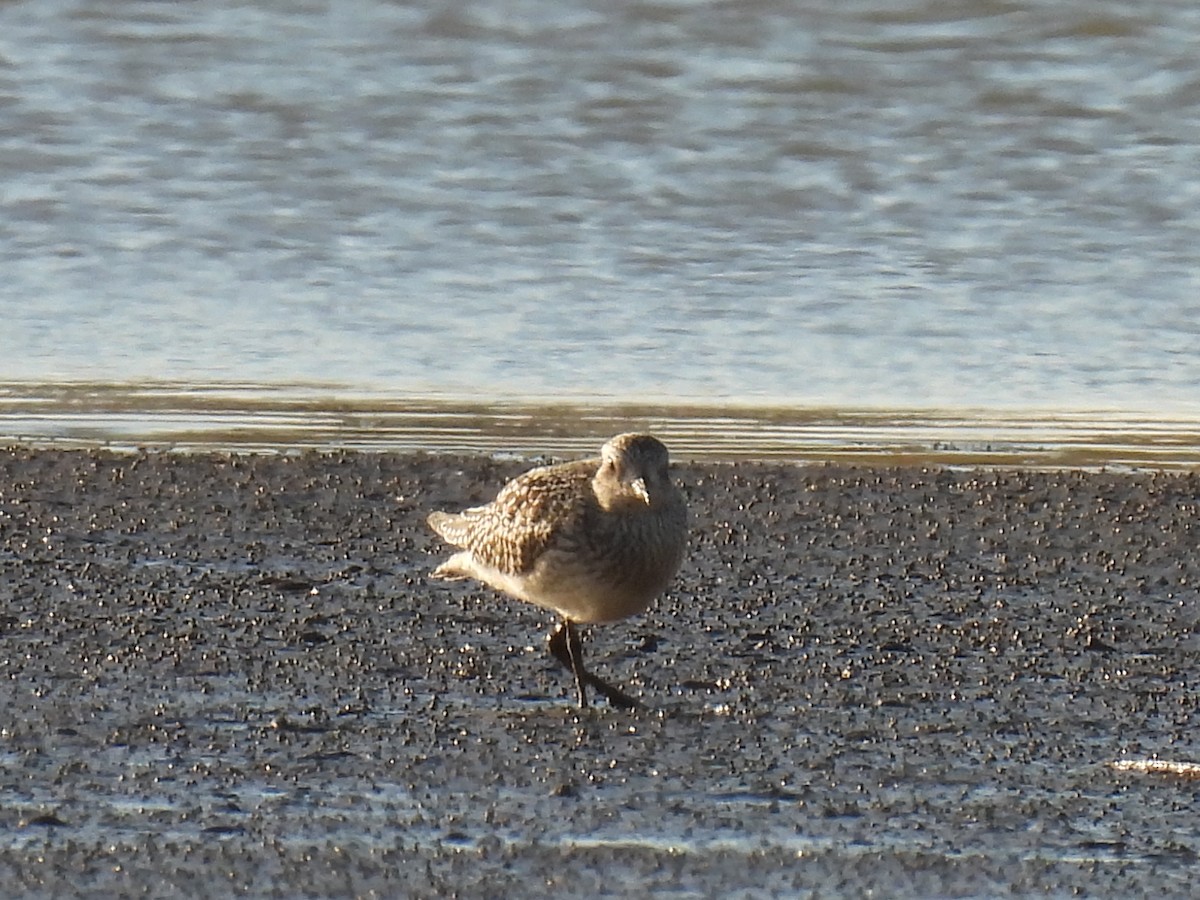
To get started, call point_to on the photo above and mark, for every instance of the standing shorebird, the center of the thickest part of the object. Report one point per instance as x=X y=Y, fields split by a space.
x=595 y=540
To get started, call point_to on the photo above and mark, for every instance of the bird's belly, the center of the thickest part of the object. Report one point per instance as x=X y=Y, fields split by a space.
x=588 y=597
x=588 y=606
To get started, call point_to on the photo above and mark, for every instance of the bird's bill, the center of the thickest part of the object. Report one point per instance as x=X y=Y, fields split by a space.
x=638 y=486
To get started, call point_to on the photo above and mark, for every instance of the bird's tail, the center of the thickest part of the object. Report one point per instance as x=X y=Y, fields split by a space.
x=448 y=572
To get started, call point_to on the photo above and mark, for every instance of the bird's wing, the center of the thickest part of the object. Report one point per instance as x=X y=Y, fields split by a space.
x=527 y=516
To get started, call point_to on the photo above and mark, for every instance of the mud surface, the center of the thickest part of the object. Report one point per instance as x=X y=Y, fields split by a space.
x=229 y=674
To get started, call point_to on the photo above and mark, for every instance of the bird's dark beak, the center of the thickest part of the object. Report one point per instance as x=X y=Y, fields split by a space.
x=638 y=486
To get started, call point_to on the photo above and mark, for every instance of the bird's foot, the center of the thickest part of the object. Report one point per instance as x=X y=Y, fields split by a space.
x=565 y=646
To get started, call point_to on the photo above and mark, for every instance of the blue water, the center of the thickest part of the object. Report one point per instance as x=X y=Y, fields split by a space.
x=854 y=205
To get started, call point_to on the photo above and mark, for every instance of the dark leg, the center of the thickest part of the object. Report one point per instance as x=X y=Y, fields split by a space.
x=567 y=648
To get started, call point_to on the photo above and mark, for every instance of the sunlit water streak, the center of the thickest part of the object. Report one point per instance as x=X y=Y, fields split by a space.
x=254 y=418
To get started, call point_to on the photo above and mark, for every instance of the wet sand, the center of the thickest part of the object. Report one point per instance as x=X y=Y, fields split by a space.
x=229 y=674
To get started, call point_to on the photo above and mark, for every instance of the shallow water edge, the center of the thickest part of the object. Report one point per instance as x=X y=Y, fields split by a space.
x=263 y=418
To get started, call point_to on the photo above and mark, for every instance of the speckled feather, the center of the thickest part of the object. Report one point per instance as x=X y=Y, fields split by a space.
x=511 y=533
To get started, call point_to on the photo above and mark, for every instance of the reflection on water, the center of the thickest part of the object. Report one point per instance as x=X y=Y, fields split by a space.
x=254 y=418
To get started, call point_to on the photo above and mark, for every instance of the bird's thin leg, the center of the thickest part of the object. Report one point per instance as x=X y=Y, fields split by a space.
x=567 y=648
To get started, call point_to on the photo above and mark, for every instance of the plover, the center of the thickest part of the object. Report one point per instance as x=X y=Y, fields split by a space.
x=595 y=541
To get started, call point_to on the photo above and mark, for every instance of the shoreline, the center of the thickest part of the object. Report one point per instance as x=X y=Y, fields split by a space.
x=264 y=418
x=231 y=671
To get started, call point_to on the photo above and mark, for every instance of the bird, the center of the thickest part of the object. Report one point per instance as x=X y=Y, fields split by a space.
x=595 y=540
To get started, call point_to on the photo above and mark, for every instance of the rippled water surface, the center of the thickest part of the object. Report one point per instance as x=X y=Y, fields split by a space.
x=897 y=205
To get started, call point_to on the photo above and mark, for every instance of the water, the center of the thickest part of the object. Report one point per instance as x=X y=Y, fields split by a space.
x=981 y=206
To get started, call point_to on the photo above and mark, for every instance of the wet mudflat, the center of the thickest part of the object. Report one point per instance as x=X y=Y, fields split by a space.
x=228 y=674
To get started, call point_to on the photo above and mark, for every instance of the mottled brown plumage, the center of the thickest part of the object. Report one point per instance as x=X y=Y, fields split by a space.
x=595 y=540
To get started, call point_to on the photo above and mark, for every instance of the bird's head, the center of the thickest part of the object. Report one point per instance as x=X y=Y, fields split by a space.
x=633 y=471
